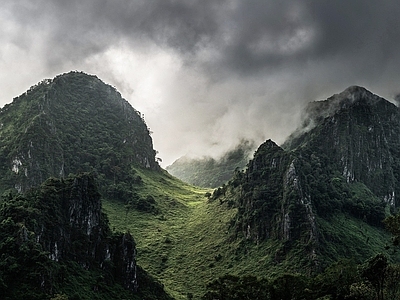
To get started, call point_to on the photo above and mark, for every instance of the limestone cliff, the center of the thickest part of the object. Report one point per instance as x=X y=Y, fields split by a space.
x=360 y=134
x=71 y=123
x=343 y=161
x=59 y=224
x=273 y=203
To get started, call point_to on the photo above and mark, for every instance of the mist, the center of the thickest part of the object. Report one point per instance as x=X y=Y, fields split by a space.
x=206 y=74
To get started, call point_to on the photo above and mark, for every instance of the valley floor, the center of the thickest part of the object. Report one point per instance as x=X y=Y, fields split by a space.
x=182 y=245
x=188 y=244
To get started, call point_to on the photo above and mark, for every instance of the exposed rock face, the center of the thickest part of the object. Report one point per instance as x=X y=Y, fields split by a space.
x=72 y=123
x=273 y=203
x=345 y=158
x=360 y=134
x=64 y=217
x=71 y=227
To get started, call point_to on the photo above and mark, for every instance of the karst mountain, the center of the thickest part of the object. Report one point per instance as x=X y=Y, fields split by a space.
x=87 y=212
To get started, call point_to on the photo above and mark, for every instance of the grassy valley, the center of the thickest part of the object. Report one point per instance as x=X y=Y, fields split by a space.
x=190 y=241
x=184 y=244
x=274 y=230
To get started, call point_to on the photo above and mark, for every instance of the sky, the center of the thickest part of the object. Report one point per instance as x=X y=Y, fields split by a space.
x=206 y=73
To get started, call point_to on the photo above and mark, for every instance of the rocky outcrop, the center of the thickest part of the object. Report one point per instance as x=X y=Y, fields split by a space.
x=359 y=132
x=64 y=220
x=345 y=159
x=75 y=229
x=273 y=203
x=69 y=124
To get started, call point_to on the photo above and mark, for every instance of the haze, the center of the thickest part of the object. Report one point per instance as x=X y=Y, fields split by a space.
x=206 y=73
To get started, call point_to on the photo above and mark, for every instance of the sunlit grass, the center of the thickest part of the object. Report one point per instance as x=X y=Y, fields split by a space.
x=189 y=243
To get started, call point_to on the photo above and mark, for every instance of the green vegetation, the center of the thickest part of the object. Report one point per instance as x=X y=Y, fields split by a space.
x=375 y=279
x=209 y=172
x=191 y=241
x=54 y=241
x=279 y=229
x=71 y=124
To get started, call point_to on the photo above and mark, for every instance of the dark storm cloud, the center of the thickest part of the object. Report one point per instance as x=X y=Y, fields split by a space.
x=215 y=71
x=76 y=29
x=367 y=28
x=241 y=36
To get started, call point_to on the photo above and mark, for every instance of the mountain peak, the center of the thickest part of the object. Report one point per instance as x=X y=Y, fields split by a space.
x=353 y=95
x=356 y=93
x=74 y=122
x=355 y=89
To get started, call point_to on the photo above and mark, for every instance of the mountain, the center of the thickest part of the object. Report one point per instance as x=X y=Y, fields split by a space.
x=58 y=229
x=209 y=172
x=72 y=123
x=293 y=210
x=79 y=175
x=361 y=131
x=55 y=238
x=328 y=187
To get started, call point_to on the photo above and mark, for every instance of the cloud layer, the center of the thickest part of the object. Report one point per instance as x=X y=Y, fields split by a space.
x=206 y=73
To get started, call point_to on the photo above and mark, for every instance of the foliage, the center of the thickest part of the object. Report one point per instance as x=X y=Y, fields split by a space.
x=74 y=123
x=375 y=279
x=33 y=268
x=237 y=288
x=209 y=172
x=194 y=230
x=336 y=279
x=294 y=211
x=375 y=271
x=392 y=223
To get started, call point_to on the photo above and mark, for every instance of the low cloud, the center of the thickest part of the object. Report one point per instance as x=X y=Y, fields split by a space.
x=206 y=73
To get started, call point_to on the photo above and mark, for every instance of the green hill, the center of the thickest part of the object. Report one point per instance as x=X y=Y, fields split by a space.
x=74 y=123
x=56 y=241
x=209 y=172
x=295 y=209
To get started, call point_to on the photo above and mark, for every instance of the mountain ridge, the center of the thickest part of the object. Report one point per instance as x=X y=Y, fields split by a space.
x=209 y=172
x=343 y=166
x=72 y=124
x=296 y=208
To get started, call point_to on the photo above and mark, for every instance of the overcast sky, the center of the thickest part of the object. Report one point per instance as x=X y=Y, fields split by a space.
x=206 y=73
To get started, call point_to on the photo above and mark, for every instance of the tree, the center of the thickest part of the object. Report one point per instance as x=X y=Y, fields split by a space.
x=336 y=280
x=392 y=285
x=392 y=224
x=230 y=287
x=375 y=271
x=289 y=286
x=361 y=291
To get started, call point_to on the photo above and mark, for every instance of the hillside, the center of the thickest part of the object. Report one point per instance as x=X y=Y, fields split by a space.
x=340 y=168
x=71 y=124
x=210 y=172
x=296 y=209
x=58 y=242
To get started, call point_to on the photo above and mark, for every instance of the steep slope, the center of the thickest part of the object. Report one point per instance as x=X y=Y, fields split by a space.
x=209 y=172
x=292 y=210
x=359 y=132
x=340 y=168
x=296 y=208
x=56 y=240
x=72 y=123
